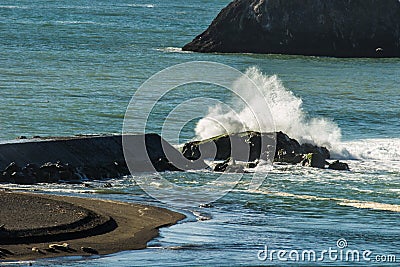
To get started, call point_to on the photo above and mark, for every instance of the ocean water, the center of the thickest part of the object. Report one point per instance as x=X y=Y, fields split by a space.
x=72 y=67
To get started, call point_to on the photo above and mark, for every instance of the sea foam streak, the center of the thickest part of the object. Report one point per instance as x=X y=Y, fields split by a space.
x=375 y=154
x=286 y=110
x=374 y=148
x=340 y=201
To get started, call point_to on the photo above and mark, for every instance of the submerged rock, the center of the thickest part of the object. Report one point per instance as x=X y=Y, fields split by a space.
x=221 y=167
x=315 y=160
x=338 y=28
x=235 y=169
x=229 y=165
x=252 y=165
x=340 y=166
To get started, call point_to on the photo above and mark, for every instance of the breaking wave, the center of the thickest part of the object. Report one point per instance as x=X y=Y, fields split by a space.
x=286 y=110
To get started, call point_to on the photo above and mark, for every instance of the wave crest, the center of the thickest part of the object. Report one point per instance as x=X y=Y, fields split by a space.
x=286 y=110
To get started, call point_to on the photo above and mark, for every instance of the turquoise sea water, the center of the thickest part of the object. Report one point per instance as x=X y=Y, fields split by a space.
x=72 y=67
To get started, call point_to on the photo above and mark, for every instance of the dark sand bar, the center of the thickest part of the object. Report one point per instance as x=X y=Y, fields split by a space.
x=31 y=223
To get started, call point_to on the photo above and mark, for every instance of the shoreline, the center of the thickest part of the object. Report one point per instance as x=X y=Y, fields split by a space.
x=84 y=226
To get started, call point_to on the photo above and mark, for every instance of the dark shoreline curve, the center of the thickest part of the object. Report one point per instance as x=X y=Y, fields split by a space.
x=112 y=226
x=53 y=224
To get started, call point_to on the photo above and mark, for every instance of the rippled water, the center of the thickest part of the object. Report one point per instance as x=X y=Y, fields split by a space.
x=72 y=68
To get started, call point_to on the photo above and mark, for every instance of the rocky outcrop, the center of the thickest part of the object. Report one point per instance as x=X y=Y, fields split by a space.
x=71 y=159
x=251 y=147
x=47 y=173
x=338 y=28
x=290 y=151
x=315 y=160
x=339 y=166
x=244 y=146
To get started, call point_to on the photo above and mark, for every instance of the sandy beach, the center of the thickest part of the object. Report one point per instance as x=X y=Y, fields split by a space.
x=31 y=223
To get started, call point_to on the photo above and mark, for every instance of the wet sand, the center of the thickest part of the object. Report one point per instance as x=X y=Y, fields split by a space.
x=80 y=226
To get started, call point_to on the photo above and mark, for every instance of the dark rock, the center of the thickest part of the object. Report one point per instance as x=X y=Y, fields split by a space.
x=298 y=158
x=12 y=172
x=221 y=167
x=155 y=154
x=55 y=172
x=27 y=175
x=252 y=165
x=91 y=172
x=4 y=177
x=107 y=185
x=309 y=148
x=290 y=151
x=32 y=173
x=121 y=168
x=23 y=178
x=31 y=166
x=91 y=157
x=13 y=167
x=339 y=28
x=66 y=175
x=286 y=145
x=314 y=160
x=284 y=156
x=340 y=166
x=206 y=205
x=244 y=146
x=109 y=171
x=229 y=165
x=89 y=250
x=163 y=164
x=49 y=173
x=191 y=150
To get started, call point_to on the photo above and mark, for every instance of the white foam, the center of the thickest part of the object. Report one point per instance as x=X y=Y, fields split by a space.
x=375 y=149
x=173 y=50
x=286 y=110
x=377 y=154
x=74 y=22
x=140 y=5
x=12 y=7
x=340 y=201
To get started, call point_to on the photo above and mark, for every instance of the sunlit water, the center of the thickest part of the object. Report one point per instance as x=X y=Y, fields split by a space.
x=72 y=68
